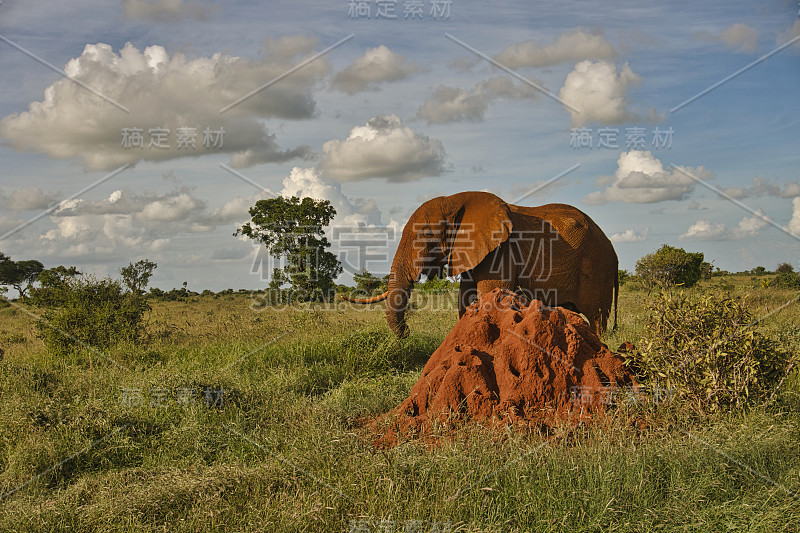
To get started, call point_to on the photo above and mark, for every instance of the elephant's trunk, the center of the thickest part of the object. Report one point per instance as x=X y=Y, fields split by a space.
x=401 y=281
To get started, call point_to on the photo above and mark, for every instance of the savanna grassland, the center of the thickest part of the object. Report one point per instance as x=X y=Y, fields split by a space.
x=141 y=439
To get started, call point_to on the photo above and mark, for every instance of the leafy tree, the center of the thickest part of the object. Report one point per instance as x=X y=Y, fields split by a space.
x=784 y=267
x=759 y=271
x=623 y=276
x=671 y=266
x=365 y=282
x=21 y=275
x=292 y=229
x=137 y=276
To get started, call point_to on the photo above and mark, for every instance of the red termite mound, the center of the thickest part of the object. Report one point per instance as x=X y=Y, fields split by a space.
x=511 y=362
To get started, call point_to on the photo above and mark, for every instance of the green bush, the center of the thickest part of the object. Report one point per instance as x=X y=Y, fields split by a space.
x=672 y=266
x=86 y=311
x=786 y=280
x=707 y=351
x=437 y=286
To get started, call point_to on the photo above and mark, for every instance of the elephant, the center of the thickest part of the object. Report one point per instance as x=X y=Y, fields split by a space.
x=554 y=253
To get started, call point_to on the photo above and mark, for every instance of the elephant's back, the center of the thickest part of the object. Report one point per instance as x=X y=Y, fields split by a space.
x=570 y=222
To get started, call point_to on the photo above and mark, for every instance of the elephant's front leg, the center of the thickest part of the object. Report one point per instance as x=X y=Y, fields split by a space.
x=467 y=293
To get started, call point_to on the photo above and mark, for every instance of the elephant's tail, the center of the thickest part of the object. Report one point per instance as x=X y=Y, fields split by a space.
x=616 y=296
x=374 y=299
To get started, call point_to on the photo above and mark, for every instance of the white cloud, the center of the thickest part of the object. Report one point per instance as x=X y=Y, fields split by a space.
x=573 y=45
x=747 y=228
x=794 y=223
x=383 y=148
x=450 y=104
x=171 y=92
x=165 y=10
x=303 y=182
x=376 y=66
x=765 y=187
x=599 y=93
x=630 y=236
x=641 y=178
x=740 y=37
x=28 y=199
x=703 y=230
x=790 y=33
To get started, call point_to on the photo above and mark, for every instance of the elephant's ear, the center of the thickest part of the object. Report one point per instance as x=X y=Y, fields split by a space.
x=481 y=222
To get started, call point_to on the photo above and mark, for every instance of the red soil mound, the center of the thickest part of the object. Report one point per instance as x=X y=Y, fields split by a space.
x=510 y=362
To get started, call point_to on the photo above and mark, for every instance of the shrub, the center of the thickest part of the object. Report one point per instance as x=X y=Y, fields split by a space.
x=707 y=351
x=86 y=311
x=437 y=286
x=786 y=280
x=672 y=266
x=784 y=268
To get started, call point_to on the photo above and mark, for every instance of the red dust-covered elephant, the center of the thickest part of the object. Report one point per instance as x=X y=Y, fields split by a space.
x=554 y=253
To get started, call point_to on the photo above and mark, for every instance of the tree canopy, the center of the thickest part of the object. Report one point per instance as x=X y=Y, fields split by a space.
x=672 y=266
x=292 y=231
x=21 y=275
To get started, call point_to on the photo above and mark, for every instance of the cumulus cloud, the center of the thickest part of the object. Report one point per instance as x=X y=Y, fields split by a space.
x=790 y=33
x=630 y=236
x=383 y=148
x=641 y=178
x=573 y=45
x=376 y=66
x=303 y=182
x=450 y=104
x=740 y=37
x=599 y=92
x=747 y=228
x=168 y=92
x=703 y=230
x=765 y=187
x=794 y=223
x=28 y=199
x=165 y=10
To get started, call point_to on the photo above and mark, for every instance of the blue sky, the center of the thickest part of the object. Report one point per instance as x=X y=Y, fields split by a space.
x=396 y=115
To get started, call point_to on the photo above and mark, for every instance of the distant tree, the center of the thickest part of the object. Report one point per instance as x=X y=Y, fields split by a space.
x=366 y=282
x=671 y=266
x=784 y=267
x=21 y=275
x=759 y=271
x=292 y=229
x=137 y=276
x=623 y=275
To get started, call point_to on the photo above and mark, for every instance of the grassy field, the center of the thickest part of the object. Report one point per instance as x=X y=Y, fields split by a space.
x=142 y=439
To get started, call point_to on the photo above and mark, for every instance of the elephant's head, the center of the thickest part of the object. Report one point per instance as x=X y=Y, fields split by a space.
x=447 y=235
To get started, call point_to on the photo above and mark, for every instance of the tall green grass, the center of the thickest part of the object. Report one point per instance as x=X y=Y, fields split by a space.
x=288 y=449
